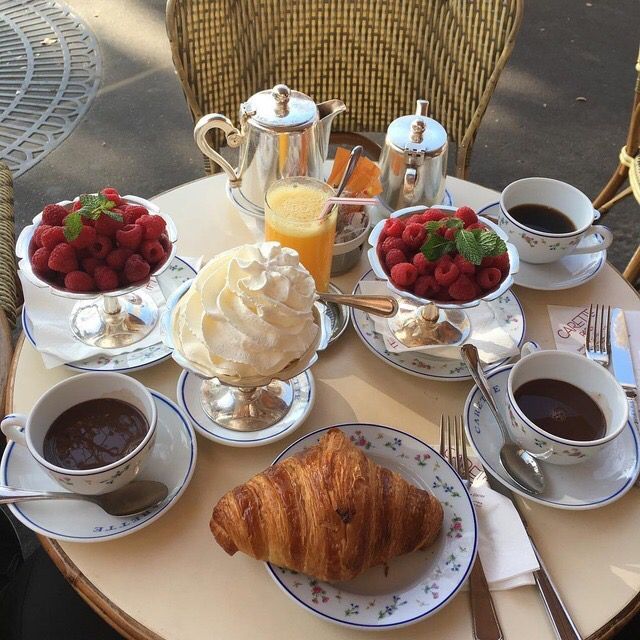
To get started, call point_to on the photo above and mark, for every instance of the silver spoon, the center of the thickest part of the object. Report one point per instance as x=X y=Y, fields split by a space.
x=355 y=155
x=135 y=497
x=384 y=306
x=518 y=463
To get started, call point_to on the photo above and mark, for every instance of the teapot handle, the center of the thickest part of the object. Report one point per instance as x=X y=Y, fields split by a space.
x=234 y=139
x=410 y=177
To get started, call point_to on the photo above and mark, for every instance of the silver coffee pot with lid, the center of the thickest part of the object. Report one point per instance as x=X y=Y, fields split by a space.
x=413 y=163
x=282 y=133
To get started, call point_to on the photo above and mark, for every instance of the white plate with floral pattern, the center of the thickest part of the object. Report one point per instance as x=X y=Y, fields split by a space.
x=172 y=461
x=178 y=272
x=598 y=481
x=569 y=272
x=410 y=587
x=428 y=366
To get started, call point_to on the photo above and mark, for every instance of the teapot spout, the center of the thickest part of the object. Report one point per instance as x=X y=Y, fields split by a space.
x=328 y=111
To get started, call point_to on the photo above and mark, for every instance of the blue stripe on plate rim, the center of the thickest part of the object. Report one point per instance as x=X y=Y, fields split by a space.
x=182 y=381
x=459 y=378
x=185 y=482
x=71 y=365
x=565 y=505
x=425 y=614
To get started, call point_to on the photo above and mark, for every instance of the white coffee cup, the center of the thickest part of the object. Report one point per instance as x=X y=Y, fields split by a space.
x=538 y=246
x=29 y=431
x=585 y=374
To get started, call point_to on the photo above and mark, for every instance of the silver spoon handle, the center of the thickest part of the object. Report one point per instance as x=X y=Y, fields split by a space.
x=472 y=360
x=384 y=306
x=355 y=155
x=11 y=494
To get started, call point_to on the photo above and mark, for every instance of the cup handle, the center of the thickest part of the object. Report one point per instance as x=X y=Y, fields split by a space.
x=13 y=428
x=528 y=348
x=607 y=239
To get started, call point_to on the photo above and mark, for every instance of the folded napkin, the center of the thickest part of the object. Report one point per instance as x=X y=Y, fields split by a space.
x=487 y=331
x=50 y=315
x=507 y=557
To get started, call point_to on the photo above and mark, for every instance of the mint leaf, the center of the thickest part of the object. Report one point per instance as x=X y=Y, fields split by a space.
x=72 y=226
x=113 y=214
x=92 y=201
x=453 y=223
x=469 y=246
x=492 y=244
x=436 y=246
x=433 y=225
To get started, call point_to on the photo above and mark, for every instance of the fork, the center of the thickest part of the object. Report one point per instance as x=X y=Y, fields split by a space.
x=483 y=612
x=596 y=342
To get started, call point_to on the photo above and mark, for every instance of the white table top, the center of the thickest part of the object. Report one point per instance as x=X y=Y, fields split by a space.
x=173 y=580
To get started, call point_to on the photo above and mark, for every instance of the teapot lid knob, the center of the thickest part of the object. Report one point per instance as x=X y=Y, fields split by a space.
x=281 y=94
x=418 y=128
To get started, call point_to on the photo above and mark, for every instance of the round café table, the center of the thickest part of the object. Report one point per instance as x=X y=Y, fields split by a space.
x=172 y=581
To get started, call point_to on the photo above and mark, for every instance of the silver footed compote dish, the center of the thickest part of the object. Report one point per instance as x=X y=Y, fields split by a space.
x=432 y=295
x=108 y=317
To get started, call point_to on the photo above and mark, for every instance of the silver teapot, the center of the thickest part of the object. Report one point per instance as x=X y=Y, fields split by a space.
x=413 y=163
x=282 y=133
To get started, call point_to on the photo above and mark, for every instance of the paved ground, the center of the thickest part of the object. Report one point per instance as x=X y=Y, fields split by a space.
x=137 y=135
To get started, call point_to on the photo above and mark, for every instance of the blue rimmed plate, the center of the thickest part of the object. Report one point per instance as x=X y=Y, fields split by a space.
x=428 y=366
x=172 y=461
x=410 y=587
x=178 y=272
x=598 y=481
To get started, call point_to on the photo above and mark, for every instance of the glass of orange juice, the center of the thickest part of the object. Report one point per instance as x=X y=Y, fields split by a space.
x=296 y=217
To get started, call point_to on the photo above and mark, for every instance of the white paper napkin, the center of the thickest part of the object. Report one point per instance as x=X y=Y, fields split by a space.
x=487 y=331
x=50 y=314
x=507 y=557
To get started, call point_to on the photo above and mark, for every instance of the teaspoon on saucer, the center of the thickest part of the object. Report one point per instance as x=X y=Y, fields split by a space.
x=518 y=463
x=385 y=306
x=135 y=497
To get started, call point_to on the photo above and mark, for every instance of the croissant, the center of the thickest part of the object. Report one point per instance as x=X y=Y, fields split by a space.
x=329 y=512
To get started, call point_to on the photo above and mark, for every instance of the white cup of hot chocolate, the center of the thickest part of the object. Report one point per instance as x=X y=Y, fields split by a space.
x=564 y=408
x=92 y=433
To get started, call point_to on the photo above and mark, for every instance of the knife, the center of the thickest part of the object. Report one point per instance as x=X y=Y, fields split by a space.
x=560 y=618
x=621 y=354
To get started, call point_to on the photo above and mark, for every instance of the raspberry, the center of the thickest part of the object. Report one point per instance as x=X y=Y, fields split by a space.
x=100 y=247
x=152 y=251
x=489 y=278
x=107 y=226
x=394 y=227
x=464 y=265
x=501 y=262
x=416 y=218
x=467 y=215
x=52 y=236
x=76 y=205
x=393 y=243
x=118 y=257
x=153 y=226
x=446 y=272
x=37 y=234
x=450 y=234
x=130 y=236
x=414 y=235
x=426 y=286
x=54 y=214
x=40 y=260
x=477 y=225
x=423 y=265
x=433 y=214
x=464 y=288
x=85 y=239
x=63 y=258
x=106 y=278
x=90 y=264
x=136 y=268
x=113 y=195
x=394 y=257
x=132 y=212
x=404 y=274
x=79 y=281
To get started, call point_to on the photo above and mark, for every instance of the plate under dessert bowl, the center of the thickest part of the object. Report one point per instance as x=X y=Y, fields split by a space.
x=424 y=322
x=105 y=319
x=411 y=587
x=250 y=403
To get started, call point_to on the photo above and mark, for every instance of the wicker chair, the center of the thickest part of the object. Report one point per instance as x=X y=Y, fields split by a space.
x=628 y=167
x=379 y=57
x=8 y=283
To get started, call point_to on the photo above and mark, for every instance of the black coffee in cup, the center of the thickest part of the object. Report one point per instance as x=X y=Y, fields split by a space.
x=539 y=217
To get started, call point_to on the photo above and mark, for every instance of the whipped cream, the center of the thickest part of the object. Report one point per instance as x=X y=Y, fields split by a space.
x=249 y=312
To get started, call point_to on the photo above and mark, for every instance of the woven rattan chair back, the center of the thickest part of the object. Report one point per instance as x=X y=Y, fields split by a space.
x=8 y=285
x=379 y=57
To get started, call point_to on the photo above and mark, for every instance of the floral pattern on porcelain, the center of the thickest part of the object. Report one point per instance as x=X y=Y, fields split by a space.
x=412 y=585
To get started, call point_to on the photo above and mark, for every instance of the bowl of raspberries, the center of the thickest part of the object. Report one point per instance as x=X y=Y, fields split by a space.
x=97 y=244
x=445 y=255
